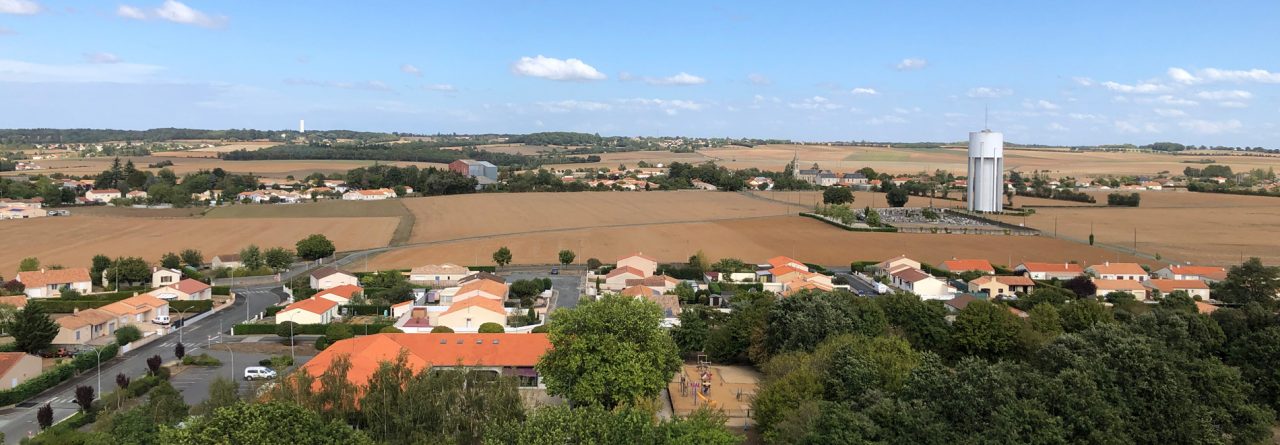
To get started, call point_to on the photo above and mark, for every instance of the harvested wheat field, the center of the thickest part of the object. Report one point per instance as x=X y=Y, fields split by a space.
x=72 y=241
x=1205 y=228
x=487 y=214
x=753 y=239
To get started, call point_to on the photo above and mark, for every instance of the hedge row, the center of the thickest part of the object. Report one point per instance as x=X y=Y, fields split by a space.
x=302 y=329
x=48 y=379
x=221 y=290
x=191 y=306
x=850 y=228
x=490 y=269
x=272 y=310
x=56 y=306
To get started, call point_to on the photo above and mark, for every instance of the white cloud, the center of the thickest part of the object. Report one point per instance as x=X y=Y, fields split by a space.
x=130 y=12
x=1233 y=104
x=556 y=69
x=19 y=7
x=901 y=110
x=1211 y=127
x=1220 y=75
x=1083 y=81
x=101 y=57
x=669 y=106
x=565 y=106
x=1129 y=127
x=912 y=63
x=886 y=119
x=18 y=71
x=177 y=12
x=1054 y=126
x=368 y=85
x=864 y=91
x=440 y=87
x=989 y=92
x=1177 y=101
x=682 y=78
x=815 y=103
x=1170 y=112
x=1141 y=87
x=410 y=70
x=1085 y=116
x=1225 y=95
x=1040 y=105
x=759 y=79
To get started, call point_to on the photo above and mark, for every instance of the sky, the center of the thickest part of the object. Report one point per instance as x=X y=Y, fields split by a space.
x=1071 y=73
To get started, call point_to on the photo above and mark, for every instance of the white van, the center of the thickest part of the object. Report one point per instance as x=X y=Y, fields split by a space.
x=258 y=373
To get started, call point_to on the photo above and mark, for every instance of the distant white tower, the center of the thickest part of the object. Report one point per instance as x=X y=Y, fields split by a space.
x=986 y=171
x=302 y=125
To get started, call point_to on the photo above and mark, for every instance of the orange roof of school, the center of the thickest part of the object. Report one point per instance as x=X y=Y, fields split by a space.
x=427 y=350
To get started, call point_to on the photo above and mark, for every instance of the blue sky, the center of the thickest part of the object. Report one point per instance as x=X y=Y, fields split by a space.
x=1050 y=72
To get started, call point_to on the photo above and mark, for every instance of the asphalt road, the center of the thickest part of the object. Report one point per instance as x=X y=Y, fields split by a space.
x=858 y=286
x=568 y=288
x=17 y=423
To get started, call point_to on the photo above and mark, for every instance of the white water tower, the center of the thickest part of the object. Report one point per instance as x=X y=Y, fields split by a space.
x=302 y=125
x=986 y=171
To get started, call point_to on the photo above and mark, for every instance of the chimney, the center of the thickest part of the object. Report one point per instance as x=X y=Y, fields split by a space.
x=1108 y=263
x=41 y=270
x=75 y=310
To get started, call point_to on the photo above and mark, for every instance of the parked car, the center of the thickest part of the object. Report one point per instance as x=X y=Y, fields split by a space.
x=258 y=373
x=161 y=320
x=555 y=271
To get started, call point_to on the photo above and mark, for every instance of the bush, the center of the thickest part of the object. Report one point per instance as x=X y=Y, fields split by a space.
x=322 y=343
x=127 y=334
x=201 y=360
x=441 y=330
x=390 y=330
x=539 y=329
x=593 y=263
x=287 y=329
x=276 y=362
x=337 y=331
x=271 y=311
x=1120 y=199
x=191 y=306
x=491 y=328
x=221 y=290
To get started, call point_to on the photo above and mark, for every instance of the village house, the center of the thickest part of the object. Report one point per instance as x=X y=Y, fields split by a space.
x=340 y=294
x=229 y=261
x=21 y=210
x=617 y=278
x=187 y=289
x=661 y=283
x=369 y=195
x=138 y=309
x=1209 y=274
x=102 y=196
x=849 y=179
x=327 y=277
x=136 y=194
x=161 y=277
x=1002 y=286
x=1196 y=289
x=17 y=367
x=647 y=265
x=486 y=289
x=1106 y=286
x=703 y=185
x=498 y=354
x=51 y=283
x=17 y=301
x=887 y=267
x=84 y=326
x=314 y=310
x=760 y=183
x=467 y=315
x=1049 y=271
x=962 y=266
x=958 y=303
x=920 y=283
x=438 y=275
x=1118 y=271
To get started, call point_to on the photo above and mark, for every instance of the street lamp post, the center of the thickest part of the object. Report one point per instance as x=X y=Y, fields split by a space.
x=233 y=361
x=98 y=352
x=182 y=320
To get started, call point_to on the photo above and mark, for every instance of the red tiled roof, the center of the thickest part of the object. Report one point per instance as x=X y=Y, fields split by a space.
x=189 y=286
x=345 y=291
x=1210 y=272
x=493 y=288
x=783 y=260
x=912 y=275
x=1118 y=269
x=639 y=291
x=427 y=350
x=638 y=254
x=59 y=276
x=9 y=359
x=1053 y=267
x=313 y=305
x=480 y=303
x=968 y=265
x=1205 y=308
x=624 y=269
x=1168 y=286
x=19 y=301
x=1118 y=285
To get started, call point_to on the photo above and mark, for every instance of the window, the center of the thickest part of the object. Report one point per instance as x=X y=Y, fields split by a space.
x=528 y=382
x=77 y=335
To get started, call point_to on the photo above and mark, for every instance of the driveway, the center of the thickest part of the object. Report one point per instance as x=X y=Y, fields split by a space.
x=568 y=288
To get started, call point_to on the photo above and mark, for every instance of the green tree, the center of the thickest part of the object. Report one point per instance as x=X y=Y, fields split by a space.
x=442 y=330
x=593 y=263
x=170 y=261
x=985 y=329
x=338 y=331
x=222 y=392
x=922 y=322
x=1258 y=357
x=29 y=264
x=128 y=270
x=694 y=329
x=502 y=256
x=276 y=422
x=897 y=197
x=251 y=257
x=165 y=404
x=127 y=334
x=592 y=340
x=278 y=258
x=99 y=265
x=837 y=195
x=286 y=329
x=315 y=247
x=567 y=256
x=192 y=258
x=491 y=328
x=801 y=321
x=596 y=425
x=1250 y=282
x=1079 y=315
x=33 y=330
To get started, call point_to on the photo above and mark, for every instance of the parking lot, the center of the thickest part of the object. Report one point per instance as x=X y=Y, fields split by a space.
x=567 y=284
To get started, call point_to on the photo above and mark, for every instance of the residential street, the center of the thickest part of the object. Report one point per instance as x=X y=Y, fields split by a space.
x=17 y=422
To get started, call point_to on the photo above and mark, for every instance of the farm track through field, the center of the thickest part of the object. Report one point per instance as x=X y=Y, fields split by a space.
x=405 y=228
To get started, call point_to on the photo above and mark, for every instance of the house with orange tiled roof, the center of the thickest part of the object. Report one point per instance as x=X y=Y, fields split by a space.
x=84 y=326
x=369 y=195
x=1002 y=286
x=500 y=354
x=780 y=261
x=972 y=265
x=17 y=301
x=661 y=283
x=1205 y=308
x=138 y=309
x=617 y=278
x=921 y=283
x=187 y=289
x=489 y=290
x=51 y=283
x=340 y=294
x=1209 y=274
x=1049 y=271
x=639 y=291
x=1196 y=289
x=469 y=314
x=103 y=195
x=17 y=367
x=647 y=265
x=313 y=310
x=1118 y=271
x=446 y=274
x=887 y=266
x=1130 y=286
